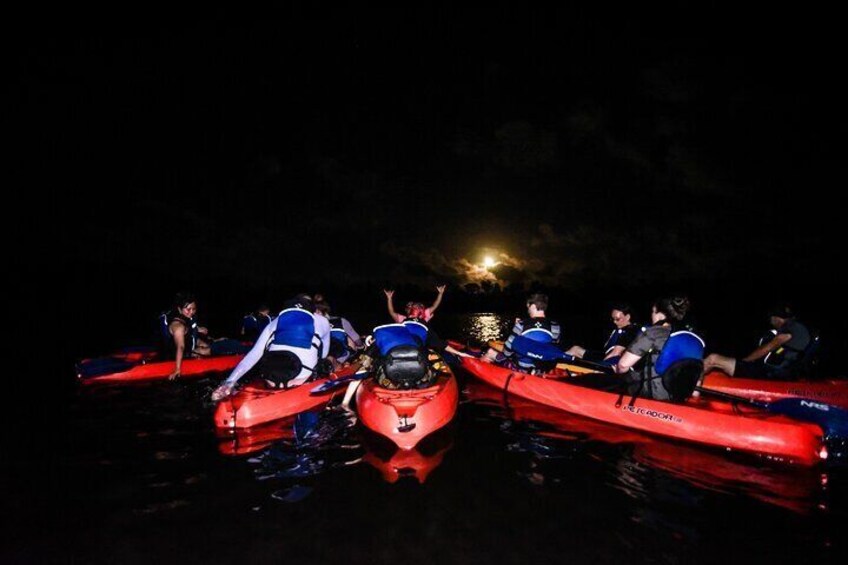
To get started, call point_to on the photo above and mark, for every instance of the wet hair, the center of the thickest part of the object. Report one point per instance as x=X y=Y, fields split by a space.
x=415 y=309
x=782 y=310
x=539 y=299
x=675 y=308
x=323 y=307
x=622 y=307
x=301 y=300
x=183 y=299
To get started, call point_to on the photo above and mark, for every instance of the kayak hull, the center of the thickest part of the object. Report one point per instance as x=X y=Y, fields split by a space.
x=717 y=424
x=408 y=416
x=256 y=404
x=158 y=370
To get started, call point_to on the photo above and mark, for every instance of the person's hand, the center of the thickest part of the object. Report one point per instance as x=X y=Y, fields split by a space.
x=441 y=289
x=173 y=376
x=202 y=330
x=223 y=391
x=389 y=293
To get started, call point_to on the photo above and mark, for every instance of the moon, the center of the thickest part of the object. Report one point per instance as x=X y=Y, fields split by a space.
x=488 y=262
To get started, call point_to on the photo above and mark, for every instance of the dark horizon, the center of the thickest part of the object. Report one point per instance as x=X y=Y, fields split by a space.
x=592 y=158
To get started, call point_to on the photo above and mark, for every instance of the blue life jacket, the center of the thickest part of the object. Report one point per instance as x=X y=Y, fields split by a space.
x=391 y=336
x=530 y=350
x=337 y=331
x=540 y=329
x=338 y=339
x=418 y=329
x=678 y=368
x=296 y=328
x=536 y=344
x=681 y=345
x=403 y=358
x=615 y=337
x=253 y=324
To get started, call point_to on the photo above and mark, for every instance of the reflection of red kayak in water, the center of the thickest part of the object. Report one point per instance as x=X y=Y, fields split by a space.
x=408 y=416
x=831 y=391
x=392 y=463
x=796 y=489
x=256 y=404
x=416 y=463
x=251 y=440
x=718 y=424
x=146 y=368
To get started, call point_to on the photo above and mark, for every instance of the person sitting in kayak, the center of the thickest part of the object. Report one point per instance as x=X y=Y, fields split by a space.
x=289 y=350
x=343 y=338
x=533 y=343
x=622 y=335
x=414 y=309
x=775 y=358
x=398 y=356
x=181 y=336
x=674 y=354
x=253 y=324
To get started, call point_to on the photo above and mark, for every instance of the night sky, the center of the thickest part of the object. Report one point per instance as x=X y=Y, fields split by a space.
x=694 y=151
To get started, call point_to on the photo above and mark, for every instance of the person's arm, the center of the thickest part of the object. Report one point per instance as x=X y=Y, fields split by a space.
x=441 y=291
x=436 y=343
x=354 y=340
x=323 y=329
x=178 y=331
x=246 y=364
x=615 y=351
x=389 y=294
x=450 y=349
x=763 y=350
x=517 y=329
x=640 y=347
x=628 y=359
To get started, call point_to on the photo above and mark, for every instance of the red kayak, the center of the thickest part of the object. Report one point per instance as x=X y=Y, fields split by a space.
x=834 y=391
x=132 y=354
x=116 y=370
x=792 y=488
x=408 y=416
x=256 y=404
x=718 y=424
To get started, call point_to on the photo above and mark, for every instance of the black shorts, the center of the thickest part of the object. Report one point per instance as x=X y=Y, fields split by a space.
x=594 y=356
x=759 y=370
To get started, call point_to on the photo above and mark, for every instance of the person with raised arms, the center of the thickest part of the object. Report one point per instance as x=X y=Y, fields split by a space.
x=415 y=310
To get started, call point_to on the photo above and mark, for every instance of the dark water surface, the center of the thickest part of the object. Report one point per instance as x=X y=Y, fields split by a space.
x=136 y=474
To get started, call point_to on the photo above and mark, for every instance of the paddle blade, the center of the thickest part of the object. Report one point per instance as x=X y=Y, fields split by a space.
x=333 y=385
x=833 y=420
